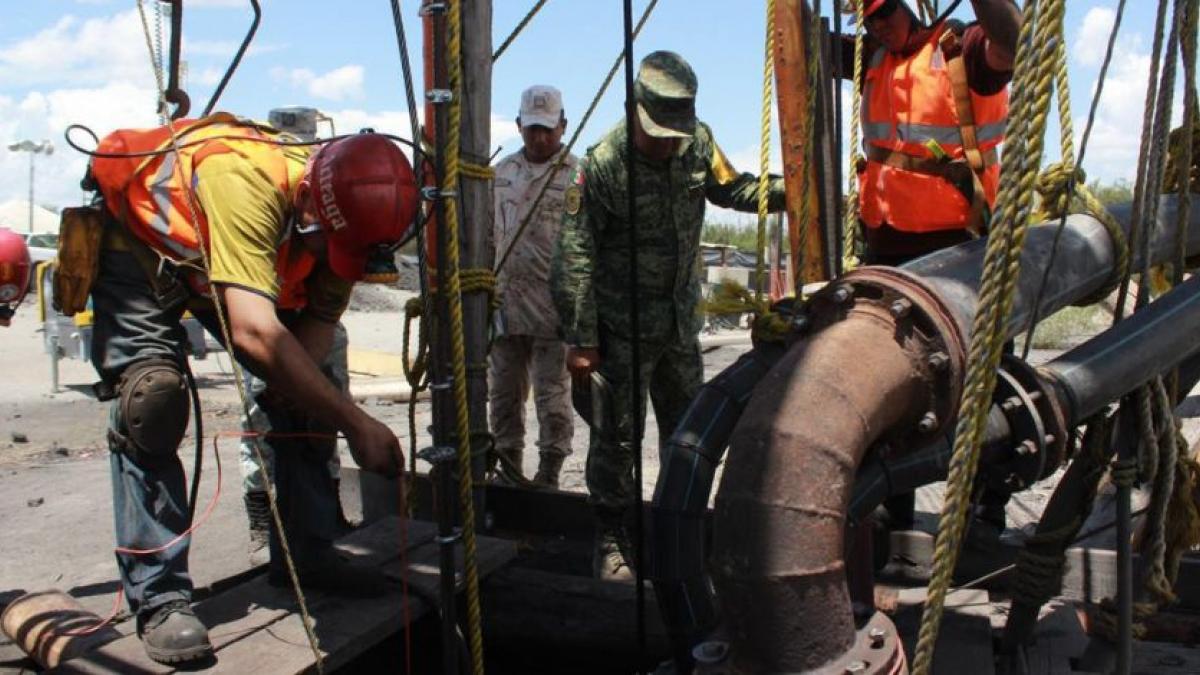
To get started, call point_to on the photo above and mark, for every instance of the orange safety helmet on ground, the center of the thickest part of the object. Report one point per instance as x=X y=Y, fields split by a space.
x=14 y=273
x=365 y=195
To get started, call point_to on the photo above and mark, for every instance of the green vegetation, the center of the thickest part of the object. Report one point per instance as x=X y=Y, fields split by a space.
x=1118 y=192
x=1068 y=327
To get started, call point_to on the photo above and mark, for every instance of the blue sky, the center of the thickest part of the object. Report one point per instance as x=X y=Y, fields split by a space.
x=65 y=61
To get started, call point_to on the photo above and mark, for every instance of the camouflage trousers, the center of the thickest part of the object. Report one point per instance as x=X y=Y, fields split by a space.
x=515 y=362
x=336 y=367
x=672 y=373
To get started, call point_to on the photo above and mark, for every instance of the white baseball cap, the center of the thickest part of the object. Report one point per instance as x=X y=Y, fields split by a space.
x=541 y=105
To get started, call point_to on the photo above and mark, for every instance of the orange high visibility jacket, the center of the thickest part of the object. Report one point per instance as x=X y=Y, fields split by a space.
x=910 y=102
x=150 y=195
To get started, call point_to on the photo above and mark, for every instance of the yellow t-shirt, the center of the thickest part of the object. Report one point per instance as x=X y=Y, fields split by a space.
x=247 y=220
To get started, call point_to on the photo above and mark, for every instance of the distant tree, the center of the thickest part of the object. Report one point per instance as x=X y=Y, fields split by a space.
x=745 y=238
x=1117 y=192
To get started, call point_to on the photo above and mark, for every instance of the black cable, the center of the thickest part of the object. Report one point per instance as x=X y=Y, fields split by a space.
x=223 y=137
x=1062 y=221
x=199 y=428
x=838 y=170
x=635 y=333
x=237 y=58
x=418 y=153
x=946 y=14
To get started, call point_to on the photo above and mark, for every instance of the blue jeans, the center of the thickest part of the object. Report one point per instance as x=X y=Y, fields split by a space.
x=131 y=324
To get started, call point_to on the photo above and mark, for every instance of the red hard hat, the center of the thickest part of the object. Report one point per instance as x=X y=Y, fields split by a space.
x=14 y=273
x=365 y=194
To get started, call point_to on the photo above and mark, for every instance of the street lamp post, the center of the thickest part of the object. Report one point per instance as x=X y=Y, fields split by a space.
x=34 y=149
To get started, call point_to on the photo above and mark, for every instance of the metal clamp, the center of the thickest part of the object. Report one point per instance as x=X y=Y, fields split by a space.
x=432 y=193
x=453 y=538
x=438 y=96
x=438 y=454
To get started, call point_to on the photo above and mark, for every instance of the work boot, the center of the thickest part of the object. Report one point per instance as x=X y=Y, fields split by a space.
x=173 y=634
x=608 y=562
x=549 y=466
x=334 y=575
x=258 y=510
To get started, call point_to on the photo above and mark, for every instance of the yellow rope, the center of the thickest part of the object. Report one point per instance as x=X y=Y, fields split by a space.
x=764 y=150
x=850 y=224
x=458 y=355
x=415 y=372
x=480 y=280
x=239 y=382
x=1031 y=88
x=477 y=171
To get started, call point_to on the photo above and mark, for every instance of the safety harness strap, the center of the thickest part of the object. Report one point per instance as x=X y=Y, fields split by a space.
x=956 y=68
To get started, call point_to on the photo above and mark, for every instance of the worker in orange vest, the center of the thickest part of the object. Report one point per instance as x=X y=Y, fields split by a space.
x=287 y=233
x=935 y=104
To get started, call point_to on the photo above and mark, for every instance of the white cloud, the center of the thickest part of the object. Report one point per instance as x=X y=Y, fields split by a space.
x=45 y=115
x=335 y=85
x=75 y=52
x=1092 y=39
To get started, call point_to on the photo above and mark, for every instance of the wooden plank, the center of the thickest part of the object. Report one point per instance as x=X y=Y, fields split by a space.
x=254 y=627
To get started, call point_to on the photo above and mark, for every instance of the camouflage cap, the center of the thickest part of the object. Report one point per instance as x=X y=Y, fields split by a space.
x=665 y=92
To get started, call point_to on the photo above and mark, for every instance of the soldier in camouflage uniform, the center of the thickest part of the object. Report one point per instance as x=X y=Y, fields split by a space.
x=678 y=168
x=527 y=345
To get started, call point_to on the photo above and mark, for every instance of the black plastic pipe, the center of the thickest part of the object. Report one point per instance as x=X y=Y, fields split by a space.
x=1084 y=265
x=688 y=466
x=1124 y=357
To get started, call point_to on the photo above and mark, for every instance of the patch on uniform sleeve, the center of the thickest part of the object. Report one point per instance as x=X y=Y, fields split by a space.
x=577 y=175
x=721 y=169
x=573 y=199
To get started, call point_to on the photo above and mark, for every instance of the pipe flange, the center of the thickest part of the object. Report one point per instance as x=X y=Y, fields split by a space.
x=877 y=650
x=1039 y=433
x=922 y=321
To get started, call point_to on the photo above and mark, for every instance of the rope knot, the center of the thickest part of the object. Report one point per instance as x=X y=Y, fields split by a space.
x=1052 y=186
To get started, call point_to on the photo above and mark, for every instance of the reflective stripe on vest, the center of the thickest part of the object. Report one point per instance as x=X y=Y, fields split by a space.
x=909 y=103
x=150 y=195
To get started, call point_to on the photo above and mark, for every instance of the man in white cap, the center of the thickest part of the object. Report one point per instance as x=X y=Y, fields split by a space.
x=527 y=347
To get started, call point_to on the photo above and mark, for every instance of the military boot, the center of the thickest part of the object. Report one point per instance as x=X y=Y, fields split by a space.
x=171 y=633
x=258 y=510
x=549 y=466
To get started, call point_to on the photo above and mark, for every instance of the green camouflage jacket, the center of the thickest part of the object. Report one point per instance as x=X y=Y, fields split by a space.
x=590 y=269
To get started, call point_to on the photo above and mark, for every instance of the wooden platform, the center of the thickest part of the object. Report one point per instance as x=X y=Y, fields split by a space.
x=256 y=628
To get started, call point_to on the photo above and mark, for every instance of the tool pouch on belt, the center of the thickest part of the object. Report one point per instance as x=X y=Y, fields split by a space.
x=79 y=235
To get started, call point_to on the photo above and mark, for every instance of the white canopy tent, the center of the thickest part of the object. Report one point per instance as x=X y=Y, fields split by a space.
x=14 y=214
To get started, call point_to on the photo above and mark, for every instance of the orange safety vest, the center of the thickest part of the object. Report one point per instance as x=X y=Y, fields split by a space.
x=911 y=111
x=150 y=195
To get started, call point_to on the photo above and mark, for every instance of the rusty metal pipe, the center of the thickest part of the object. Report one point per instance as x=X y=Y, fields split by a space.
x=780 y=509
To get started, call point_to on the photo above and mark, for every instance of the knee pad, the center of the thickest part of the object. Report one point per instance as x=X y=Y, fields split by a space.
x=154 y=408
